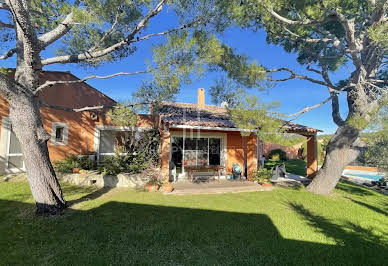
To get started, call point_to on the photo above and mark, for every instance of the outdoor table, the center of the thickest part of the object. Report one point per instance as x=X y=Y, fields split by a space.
x=198 y=168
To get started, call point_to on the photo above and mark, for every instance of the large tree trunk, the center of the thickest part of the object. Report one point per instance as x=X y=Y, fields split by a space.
x=343 y=148
x=27 y=125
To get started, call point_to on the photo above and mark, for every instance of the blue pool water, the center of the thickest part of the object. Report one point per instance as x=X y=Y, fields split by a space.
x=363 y=174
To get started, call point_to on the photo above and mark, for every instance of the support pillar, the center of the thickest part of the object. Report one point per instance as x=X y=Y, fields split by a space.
x=252 y=155
x=312 y=156
x=165 y=153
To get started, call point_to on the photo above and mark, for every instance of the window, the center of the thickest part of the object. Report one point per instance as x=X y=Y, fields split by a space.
x=195 y=151
x=112 y=141
x=59 y=133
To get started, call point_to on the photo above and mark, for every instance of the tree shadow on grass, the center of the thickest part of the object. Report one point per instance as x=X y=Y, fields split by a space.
x=349 y=234
x=354 y=189
x=91 y=196
x=127 y=233
x=371 y=207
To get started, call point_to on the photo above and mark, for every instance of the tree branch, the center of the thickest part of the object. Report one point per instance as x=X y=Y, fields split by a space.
x=108 y=32
x=90 y=108
x=55 y=34
x=335 y=110
x=353 y=45
x=10 y=88
x=310 y=40
x=8 y=54
x=77 y=110
x=309 y=108
x=100 y=53
x=293 y=75
x=52 y=83
x=294 y=22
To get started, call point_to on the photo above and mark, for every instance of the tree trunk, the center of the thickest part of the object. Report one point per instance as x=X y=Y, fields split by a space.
x=28 y=127
x=343 y=148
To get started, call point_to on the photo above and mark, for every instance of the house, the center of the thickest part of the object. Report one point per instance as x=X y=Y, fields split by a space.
x=192 y=134
x=199 y=134
x=80 y=133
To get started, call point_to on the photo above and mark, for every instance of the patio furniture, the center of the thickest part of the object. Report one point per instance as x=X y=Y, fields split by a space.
x=191 y=169
x=236 y=171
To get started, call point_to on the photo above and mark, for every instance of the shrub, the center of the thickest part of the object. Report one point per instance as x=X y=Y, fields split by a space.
x=135 y=156
x=262 y=175
x=119 y=163
x=69 y=163
x=278 y=155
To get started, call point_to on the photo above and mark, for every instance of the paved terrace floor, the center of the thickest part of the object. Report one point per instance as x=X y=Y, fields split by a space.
x=213 y=187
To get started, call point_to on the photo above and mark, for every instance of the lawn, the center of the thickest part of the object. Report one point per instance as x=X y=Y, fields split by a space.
x=283 y=226
x=293 y=166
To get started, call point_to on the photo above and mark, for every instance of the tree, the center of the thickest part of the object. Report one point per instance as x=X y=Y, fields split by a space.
x=83 y=32
x=326 y=35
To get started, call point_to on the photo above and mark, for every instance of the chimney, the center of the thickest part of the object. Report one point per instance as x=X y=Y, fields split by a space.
x=201 y=97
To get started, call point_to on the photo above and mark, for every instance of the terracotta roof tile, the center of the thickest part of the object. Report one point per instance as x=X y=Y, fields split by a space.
x=209 y=116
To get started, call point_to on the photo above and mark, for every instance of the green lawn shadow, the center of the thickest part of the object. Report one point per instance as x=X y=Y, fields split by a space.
x=128 y=233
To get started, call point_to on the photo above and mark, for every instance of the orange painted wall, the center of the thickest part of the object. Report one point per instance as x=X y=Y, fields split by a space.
x=81 y=129
x=292 y=152
x=235 y=151
x=81 y=126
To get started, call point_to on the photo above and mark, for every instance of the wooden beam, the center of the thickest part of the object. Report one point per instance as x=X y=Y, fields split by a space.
x=312 y=156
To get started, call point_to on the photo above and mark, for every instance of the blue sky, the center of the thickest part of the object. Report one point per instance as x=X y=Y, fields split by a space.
x=294 y=95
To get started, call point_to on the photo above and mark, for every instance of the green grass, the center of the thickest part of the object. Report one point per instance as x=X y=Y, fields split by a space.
x=293 y=166
x=283 y=226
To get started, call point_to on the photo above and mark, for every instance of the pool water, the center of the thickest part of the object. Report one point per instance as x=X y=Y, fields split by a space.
x=363 y=174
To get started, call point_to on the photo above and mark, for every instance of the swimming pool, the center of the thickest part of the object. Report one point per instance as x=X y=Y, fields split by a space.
x=375 y=176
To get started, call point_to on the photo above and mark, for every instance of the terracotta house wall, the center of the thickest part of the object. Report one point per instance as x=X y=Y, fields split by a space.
x=235 y=151
x=81 y=127
x=292 y=152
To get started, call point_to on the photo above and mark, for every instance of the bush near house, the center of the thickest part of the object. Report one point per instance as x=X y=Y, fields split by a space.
x=278 y=155
x=129 y=163
x=262 y=175
x=69 y=163
x=138 y=154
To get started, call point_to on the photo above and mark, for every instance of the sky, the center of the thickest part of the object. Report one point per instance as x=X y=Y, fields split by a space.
x=293 y=95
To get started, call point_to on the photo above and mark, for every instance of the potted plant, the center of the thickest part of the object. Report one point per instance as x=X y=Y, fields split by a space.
x=153 y=183
x=151 y=187
x=263 y=177
x=167 y=187
x=76 y=170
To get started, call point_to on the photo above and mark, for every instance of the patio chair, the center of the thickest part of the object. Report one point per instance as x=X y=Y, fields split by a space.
x=236 y=171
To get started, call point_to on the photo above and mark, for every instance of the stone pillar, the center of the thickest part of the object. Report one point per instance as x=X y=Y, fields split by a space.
x=165 y=153
x=312 y=156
